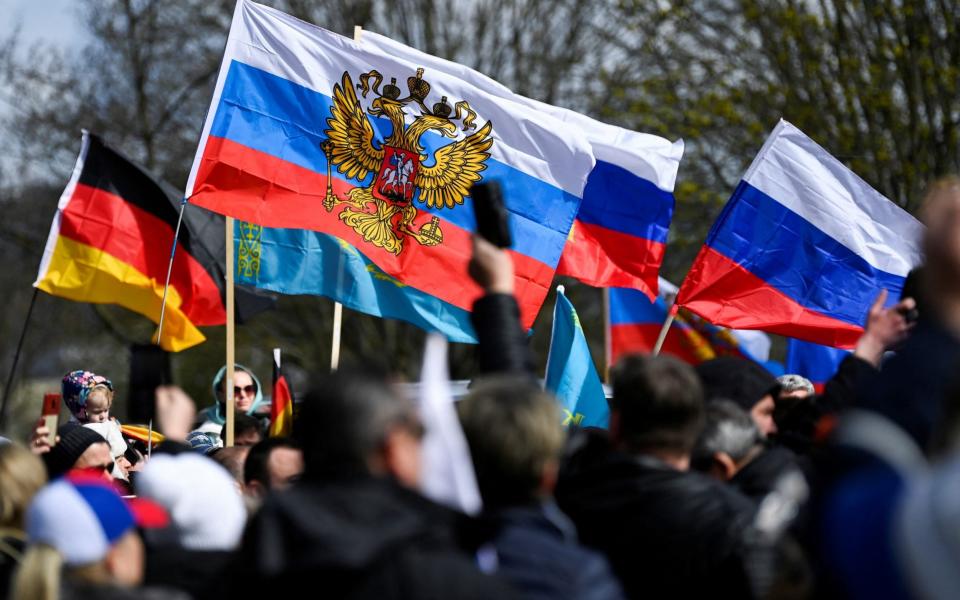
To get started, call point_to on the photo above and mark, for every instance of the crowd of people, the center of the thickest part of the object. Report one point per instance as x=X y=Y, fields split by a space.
x=714 y=479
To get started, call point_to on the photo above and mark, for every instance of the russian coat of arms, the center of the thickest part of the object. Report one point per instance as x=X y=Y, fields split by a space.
x=384 y=212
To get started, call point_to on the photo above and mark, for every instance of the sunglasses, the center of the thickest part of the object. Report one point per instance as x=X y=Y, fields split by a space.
x=249 y=389
x=108 y=467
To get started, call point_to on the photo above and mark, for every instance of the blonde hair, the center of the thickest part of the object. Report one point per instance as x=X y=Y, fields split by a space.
x=98 y=390
x=22 y=474
x=42 y=570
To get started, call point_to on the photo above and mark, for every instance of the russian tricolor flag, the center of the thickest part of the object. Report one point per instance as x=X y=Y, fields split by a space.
x=620 y=234
x=260 y=157
x=802 y=248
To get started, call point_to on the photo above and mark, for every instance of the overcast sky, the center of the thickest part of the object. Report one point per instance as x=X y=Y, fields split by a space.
x=52 y=21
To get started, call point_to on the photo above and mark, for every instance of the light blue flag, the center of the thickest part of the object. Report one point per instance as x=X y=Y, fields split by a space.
x=571 y=375
x=297 y=261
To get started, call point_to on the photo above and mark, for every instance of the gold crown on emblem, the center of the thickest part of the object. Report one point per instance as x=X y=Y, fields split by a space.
x=418 y=89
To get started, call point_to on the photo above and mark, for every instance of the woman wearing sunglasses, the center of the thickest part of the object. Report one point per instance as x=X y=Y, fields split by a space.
x=247 y=397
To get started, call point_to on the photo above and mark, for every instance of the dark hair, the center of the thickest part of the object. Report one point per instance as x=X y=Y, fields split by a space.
x=728 y=429
x=513 y=429
x=255 y=466
x=659 y=401
x=344 y=419
x=242 y=423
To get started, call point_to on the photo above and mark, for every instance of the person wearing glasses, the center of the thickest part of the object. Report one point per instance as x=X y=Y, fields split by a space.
x=248 y=399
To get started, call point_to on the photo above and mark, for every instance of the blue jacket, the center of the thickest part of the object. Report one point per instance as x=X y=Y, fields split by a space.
x=539 y=555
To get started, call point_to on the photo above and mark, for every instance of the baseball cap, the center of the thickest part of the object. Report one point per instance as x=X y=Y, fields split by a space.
x=82 y=515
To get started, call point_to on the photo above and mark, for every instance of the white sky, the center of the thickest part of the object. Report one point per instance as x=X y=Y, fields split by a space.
x=51 y=21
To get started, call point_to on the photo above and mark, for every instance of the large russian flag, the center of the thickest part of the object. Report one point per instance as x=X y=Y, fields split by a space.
x=802 y=248
x=620 y=234
x=260 y=157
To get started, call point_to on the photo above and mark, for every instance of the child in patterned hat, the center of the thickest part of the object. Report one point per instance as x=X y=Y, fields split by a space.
x=89 y=397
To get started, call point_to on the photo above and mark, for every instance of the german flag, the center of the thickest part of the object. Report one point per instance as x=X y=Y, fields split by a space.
x=281 y=404
x=110 y=243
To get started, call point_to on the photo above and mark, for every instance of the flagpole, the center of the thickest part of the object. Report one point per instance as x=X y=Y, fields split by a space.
x=665 y=329
x=607 y=341
x=228 y=380
x=166 y=285
x=337 y=307
x=16 y=360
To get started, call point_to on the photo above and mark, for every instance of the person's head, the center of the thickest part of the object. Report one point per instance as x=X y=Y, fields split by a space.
x=272 y=465
x=657 y=407
x=21 y=474
x=79 y=448
x=744 y=382
x=729 y=441
x=246 y=430
x=940 y=212
x=246 y=389
x=354 y=423
x=515 y=437
x=88 y=396
x=206 y=511
x=80 y=526
x=794 y=387
x=232 y=459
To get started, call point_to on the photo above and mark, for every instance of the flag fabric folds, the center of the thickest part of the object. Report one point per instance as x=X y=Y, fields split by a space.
x=110 y=243
x=281 y=401
x=571 y=375
x=311 y=130
x=300 y=261
x=802 y=248
x=635 y=323
x=813 y=361
x=619 y=236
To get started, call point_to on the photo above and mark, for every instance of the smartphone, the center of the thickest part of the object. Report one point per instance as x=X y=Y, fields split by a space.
x=51 y=416
x=491 y=214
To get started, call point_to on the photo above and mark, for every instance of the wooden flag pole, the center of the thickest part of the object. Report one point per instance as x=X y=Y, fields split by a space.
x=665 y=329
x=229 y=400
x=337 y=307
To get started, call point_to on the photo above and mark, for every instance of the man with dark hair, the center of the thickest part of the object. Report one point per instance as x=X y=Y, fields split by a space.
x=666 y=531
x=354 y=524
x=513 y=429
x=247 y=430
x=272 y=465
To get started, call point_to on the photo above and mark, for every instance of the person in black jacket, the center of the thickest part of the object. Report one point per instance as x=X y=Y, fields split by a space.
x=666 y=531
x=354 y=527
x=513 y=429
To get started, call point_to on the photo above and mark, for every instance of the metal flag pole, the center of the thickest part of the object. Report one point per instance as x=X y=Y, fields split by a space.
x=166 y=285
x=16 y=360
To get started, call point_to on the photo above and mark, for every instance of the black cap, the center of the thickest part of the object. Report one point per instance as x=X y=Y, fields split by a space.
x=738 y=379
x=74 y=441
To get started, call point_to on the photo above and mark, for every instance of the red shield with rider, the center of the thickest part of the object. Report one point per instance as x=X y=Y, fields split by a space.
x=397 y=173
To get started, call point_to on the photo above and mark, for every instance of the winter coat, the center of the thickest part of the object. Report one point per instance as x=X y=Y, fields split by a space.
x=666 y=533
x=538 y=552
x=356 y=538
x=502 y=344
x=759 y=476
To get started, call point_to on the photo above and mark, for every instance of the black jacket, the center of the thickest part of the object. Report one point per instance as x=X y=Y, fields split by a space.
x=538 y=553
x=360 y=538
x=502 y=344
x=666 y=533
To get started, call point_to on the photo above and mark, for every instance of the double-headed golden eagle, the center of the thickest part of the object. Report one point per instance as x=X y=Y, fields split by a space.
x=398 y=164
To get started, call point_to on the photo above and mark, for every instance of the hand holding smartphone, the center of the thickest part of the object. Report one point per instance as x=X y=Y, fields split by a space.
x=491 y=214
x=50 y=415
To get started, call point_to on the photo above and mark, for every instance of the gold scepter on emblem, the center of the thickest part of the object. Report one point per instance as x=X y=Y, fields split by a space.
x=329 y=200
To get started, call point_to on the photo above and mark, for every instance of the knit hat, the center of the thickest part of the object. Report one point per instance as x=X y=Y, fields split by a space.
x=740 y=380
x=76 y=387
x=200 y=496
x=82 y=516
x=202 y=442
x=74 y=441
